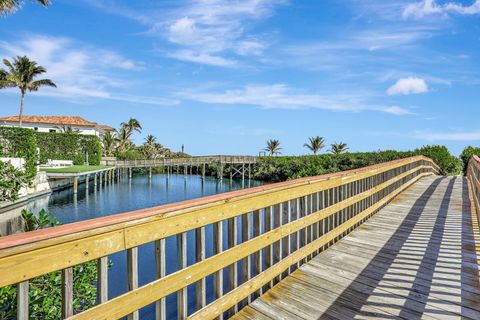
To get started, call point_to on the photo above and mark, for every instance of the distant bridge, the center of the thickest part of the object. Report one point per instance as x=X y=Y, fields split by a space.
x=240 y=165
x=394 y=241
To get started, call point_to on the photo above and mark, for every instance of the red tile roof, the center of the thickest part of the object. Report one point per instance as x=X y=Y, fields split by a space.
x=57 y=120
x=105 y=128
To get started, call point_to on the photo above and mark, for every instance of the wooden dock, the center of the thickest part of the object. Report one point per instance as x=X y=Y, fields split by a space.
x=415 y=259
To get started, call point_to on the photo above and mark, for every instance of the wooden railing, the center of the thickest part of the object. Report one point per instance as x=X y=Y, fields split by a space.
x=282 y=225
x=191 y=161
x=473 y=174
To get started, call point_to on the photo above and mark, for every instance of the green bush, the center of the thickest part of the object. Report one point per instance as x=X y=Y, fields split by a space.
x=20 y=143
x=449 y=164
x=69 y=146
x=282 y=168
x=466 y=154
x=11 y=180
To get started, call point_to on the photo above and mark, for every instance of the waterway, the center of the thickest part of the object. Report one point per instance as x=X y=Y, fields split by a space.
x=137 y=193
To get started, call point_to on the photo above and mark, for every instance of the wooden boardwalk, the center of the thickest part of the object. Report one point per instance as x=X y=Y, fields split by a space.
x=415 y=259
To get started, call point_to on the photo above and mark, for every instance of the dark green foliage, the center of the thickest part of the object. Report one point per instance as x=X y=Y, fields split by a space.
x=20 y=143
x=45 y=291
x=276 y=169
x=11 y=180
x=69 y=146
x=466 y=154
x=449 y=164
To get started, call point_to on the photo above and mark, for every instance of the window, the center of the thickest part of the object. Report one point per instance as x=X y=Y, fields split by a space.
x=52 y=130
x=35 y=128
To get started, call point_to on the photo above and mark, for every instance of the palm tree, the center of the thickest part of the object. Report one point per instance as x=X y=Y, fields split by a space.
x=68 y=129
x=273 y=147
x=123 y=140
x=21 y=73
x=338 y=148
x=130 y=126
x=315 y=144
x=109 y=141
x=9 y=6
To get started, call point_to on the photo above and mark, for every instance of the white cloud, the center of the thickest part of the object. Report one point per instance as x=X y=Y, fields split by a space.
x=448 y=136
x=80 y=71
x=410 y=85
x=429 y=7
x=212 y=32
x=281 y=96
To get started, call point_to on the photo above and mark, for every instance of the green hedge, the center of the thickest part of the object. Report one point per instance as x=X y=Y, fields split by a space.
x=69 y=146
x=276 y=169
x=466 y=154
x=20 y=143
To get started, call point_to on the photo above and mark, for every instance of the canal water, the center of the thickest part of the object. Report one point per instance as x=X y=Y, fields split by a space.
x=138 y=193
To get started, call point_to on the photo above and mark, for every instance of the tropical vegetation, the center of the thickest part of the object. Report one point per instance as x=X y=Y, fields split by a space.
x=119 y=143
x=281 y=168
x=338 y=148
x=10 y=6
x=315 y=144
x=273 y=147
x=21 y=74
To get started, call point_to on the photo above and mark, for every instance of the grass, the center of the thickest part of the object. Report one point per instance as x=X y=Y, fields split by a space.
x=75 y=169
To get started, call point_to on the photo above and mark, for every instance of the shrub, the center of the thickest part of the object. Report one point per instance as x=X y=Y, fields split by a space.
x=69 y=146
x=466 y=154
x=20 y=143
x=449 y=164
x=11 y=180
x=276 y=169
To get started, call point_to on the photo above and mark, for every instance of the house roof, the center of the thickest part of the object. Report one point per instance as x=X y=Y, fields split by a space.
x=57 y=120
x=105 y=128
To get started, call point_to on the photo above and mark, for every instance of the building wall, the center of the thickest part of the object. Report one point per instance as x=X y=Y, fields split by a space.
x=46 y=128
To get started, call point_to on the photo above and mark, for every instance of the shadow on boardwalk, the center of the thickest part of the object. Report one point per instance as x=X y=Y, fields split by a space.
x=415 y=259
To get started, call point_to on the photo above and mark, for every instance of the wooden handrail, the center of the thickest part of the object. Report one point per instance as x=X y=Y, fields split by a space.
x=473 y=175
x=347 y=198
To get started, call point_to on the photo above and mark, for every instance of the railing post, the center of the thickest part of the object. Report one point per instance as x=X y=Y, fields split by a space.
x=132 y=275
x=22 y=301
x=160 y=306
x=246 y=266
x=233 y=268
x=102 y=279
x=200 y=255
x=218 y=248
x=182 y=263
x=67 y=292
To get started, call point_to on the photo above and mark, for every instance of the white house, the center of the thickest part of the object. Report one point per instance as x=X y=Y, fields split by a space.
x=57 y=124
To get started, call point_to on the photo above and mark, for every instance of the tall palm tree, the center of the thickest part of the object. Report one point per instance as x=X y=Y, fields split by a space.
x=131 y=126
x=315 y=144
x=109 y=141
x=273 y=147
x=338 y=148
x=21 y=73
x=9 y=6
x=123 y=140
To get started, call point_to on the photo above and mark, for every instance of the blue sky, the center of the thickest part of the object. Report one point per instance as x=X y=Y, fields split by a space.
x=224 y=76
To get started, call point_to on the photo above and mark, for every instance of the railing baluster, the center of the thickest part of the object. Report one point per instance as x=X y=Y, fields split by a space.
x=299 y=232
x=182 y=263
x=22 y=301
x=233 y=268
x=201 y=295
x=257 y=256
x=67 y=292
x=269 y=248
x=132 y=275
x=246 y=266
x=288 y=218
x=102 y=280
x=160 y=270
x=218 y=248
x=277 y=246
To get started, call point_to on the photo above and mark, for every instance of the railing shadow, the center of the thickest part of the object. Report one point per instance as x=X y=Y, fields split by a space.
x=434 y=272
